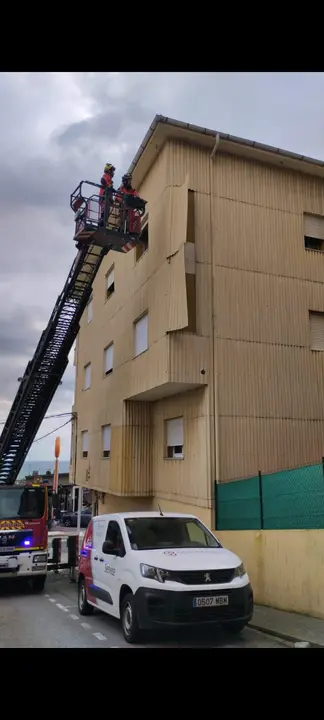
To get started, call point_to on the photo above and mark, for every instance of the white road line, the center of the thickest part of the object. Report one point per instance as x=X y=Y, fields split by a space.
x=51 y=599
x=74 y=617
x=86 y=626
x=99 y=636
x=61 y=607
x=113 y=646
x=46 y=595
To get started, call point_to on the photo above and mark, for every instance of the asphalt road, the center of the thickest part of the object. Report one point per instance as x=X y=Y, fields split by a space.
x=51 y=620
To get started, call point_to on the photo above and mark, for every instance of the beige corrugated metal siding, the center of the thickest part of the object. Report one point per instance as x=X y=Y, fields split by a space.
x=255 y=283
x=186 y=480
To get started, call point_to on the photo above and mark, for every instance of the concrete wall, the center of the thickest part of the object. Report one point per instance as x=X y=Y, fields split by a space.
x=286 y=567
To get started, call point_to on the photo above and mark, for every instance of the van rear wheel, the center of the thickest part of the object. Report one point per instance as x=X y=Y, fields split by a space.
x=83 y=605
x=129 y=621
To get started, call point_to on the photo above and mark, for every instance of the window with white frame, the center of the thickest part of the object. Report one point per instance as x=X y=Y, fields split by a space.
x=174 y=438
x=316 y=326
x=109 y=359
x=85 y=443
x=106 y=436
x=110 y=282
x=87 y=376
x=141 y=334
x=90 y=310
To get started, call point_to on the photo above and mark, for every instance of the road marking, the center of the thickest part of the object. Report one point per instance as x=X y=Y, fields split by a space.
x=51 y=599
x=61 y=607
x=99 y=636
x=86 y=626
x=74 y=617
x=113 y=646
x=46 y=595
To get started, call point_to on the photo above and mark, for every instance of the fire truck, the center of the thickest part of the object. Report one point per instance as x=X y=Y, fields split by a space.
x=24 y=517
x=24 y=510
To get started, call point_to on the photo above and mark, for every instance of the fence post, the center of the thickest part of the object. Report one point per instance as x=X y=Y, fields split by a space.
x=216 y=505
x=261 y=499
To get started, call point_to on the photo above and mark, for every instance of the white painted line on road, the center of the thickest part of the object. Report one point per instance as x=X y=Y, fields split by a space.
x=46 y=595
x=61 y=607
x=51 y=599
x=74 y=617
x=112 y=647
x=86 y=626
x=99 y=636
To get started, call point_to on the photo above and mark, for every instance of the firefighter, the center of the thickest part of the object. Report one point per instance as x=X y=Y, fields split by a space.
x=130 y=215
x=106 y=183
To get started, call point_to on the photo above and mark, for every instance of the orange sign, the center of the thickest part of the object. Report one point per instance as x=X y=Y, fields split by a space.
x=57 y=447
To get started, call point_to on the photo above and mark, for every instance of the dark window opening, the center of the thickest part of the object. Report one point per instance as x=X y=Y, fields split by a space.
x=312 y=243
x=109 y=371
x=106 y=454
x=174 y=451
x=110 y=290
x=144 y=243
x=85 y=453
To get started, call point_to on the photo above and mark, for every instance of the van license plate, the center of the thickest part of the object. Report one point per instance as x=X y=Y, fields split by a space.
x=210 y=601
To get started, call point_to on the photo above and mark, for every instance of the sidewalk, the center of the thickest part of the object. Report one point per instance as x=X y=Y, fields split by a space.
x=288 y=625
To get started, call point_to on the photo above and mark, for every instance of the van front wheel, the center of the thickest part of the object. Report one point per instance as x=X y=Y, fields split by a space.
x=128 y=618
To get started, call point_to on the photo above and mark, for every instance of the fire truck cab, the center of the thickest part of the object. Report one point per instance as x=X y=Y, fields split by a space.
x=24 y=517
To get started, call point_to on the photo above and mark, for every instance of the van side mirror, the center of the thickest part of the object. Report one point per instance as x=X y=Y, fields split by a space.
x=108 y=548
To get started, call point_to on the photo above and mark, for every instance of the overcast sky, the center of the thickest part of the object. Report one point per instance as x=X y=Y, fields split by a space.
x=59 y=128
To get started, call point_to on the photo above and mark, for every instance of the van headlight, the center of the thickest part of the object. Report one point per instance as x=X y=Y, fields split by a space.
x=153 y=573
x=239 y=571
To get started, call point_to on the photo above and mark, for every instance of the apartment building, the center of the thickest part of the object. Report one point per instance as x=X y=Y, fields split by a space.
x=200 y=355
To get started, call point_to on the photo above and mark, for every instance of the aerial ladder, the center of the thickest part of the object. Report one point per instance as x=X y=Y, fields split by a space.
x=113 y=225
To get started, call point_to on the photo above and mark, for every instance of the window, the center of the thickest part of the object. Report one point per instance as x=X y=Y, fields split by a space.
x=316 y=323
x=114 y=535
x=160 y=533
x=110 y=286
x=109 y=359
x=144 y=240
x=90 y=310
x=87 y=376
x=106 y=434
x=141 y=334
x=85 y=443
x=174 y=438
x=314 y=232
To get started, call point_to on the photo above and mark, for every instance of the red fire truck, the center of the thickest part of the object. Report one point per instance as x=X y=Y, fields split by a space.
x=24 y=519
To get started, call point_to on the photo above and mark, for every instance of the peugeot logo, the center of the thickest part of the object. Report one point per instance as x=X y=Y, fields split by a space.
x=207 y=577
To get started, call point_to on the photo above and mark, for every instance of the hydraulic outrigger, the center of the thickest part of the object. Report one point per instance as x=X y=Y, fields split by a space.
x=115 y=225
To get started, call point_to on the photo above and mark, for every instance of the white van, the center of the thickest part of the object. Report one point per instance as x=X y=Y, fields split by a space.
x=153 y=570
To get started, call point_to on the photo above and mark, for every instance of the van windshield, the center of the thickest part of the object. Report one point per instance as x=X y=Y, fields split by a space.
x=154 y=533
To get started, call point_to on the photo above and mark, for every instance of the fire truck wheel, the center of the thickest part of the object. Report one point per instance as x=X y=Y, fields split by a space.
x=83 y=605
x=38 y=583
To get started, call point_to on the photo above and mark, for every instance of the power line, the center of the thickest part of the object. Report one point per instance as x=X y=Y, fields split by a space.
x=48 y=417
x=52 y=431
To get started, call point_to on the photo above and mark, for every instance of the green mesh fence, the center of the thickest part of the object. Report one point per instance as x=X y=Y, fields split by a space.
x=285 y=500
x=238 y=505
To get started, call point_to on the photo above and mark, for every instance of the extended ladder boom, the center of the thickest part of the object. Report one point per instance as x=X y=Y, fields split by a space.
x=44 y=372
x=101 y=225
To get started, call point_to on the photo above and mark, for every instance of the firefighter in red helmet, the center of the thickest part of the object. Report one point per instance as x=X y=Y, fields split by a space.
x=129 y=215
x=106 y=183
